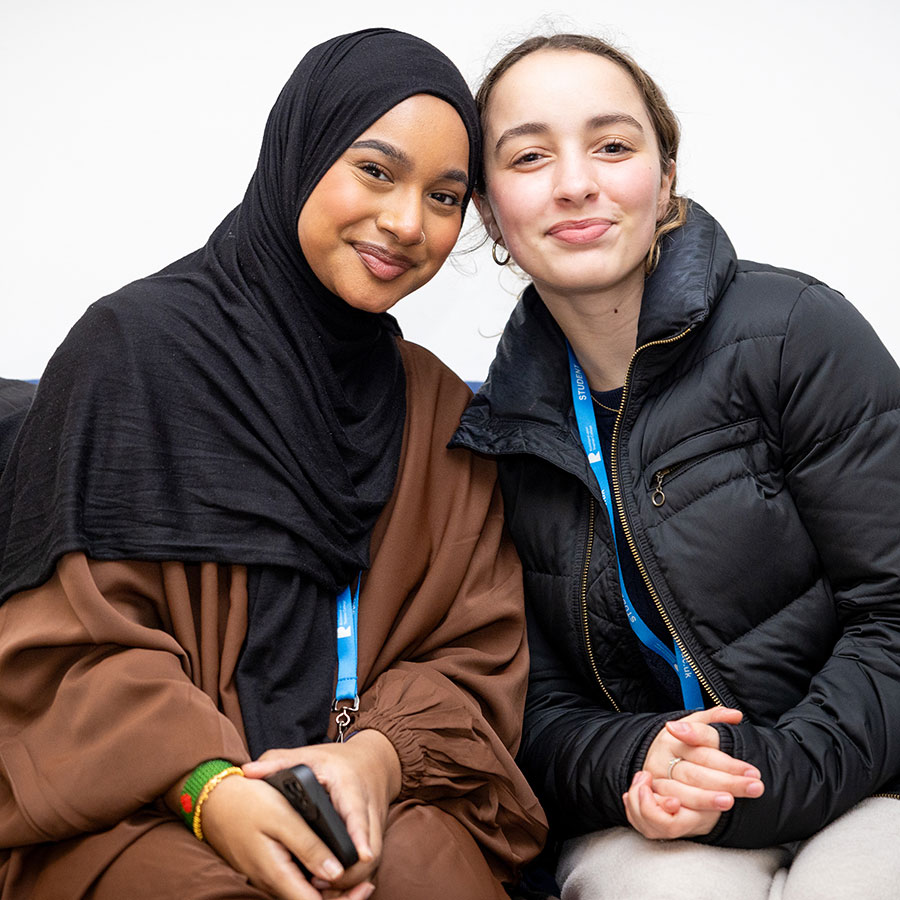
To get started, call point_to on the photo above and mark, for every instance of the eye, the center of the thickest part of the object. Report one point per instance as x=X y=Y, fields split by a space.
x=375 y=171
x=445 y=199
x=614 y=147
x=529 y=156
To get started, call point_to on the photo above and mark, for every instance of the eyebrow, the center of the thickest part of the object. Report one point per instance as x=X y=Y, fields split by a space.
x=601 y=121
x=519 y=130
x=396 y=154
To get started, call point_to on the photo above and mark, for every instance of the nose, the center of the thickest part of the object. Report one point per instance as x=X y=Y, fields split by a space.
x=401 y=217
x=576 y=178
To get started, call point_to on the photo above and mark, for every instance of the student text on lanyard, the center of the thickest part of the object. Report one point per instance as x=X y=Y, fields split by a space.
x=346 y=690
x=587 y=429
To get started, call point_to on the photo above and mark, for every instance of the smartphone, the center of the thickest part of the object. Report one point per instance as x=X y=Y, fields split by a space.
x=311 y=800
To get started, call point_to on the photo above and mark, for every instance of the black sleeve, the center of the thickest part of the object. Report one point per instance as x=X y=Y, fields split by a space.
x=578 y=754
x=840 y=418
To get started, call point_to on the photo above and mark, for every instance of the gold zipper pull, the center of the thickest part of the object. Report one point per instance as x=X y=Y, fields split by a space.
x=657 y=498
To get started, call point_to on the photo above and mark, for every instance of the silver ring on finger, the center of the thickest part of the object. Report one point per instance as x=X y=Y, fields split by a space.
x=672 y=763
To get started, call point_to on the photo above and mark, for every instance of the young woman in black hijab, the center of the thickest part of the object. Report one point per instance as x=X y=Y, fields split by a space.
x=213 y=455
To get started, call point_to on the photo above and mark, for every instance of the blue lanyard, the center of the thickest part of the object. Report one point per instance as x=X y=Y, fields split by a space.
x=347 y=621
x=590 y=440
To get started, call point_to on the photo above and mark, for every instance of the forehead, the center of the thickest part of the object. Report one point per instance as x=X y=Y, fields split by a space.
x=424 y=124
x=563 y=86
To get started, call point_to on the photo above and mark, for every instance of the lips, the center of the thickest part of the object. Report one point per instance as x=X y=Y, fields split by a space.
x=383 y=264
x=580 y=231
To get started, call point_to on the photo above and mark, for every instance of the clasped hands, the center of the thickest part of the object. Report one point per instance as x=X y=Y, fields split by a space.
x=687 y=782
x=256 y=830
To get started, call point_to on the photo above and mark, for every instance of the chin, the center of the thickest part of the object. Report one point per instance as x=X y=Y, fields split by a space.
x=581 y=279
x=368 y=302
x=574 y=282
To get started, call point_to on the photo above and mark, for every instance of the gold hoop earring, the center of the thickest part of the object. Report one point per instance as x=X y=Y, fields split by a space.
x=500 y=262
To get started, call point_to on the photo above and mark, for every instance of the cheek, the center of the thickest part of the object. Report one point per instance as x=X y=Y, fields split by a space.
x=638 y=190
x=309 y=236
x=334 y=203
x=515 y=204
x=442 y=236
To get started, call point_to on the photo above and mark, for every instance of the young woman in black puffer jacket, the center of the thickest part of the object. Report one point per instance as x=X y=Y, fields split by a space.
x=721 y=663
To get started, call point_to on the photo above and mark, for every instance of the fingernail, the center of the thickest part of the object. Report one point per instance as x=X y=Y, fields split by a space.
x=369 y=890
x=752 y=772
x=634 y=780
x=332 y=868
x=679 y=727
x=723 y=801
x=755 y=789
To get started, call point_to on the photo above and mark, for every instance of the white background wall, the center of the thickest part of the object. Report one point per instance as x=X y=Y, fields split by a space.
x=127 y=130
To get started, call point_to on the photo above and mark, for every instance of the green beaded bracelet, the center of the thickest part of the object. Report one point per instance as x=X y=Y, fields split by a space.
x=195 y=783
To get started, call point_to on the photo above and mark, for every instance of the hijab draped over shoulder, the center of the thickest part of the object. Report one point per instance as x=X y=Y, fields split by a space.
x=231 y=409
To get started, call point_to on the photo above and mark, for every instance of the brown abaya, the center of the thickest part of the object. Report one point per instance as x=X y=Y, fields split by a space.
x=116 y=678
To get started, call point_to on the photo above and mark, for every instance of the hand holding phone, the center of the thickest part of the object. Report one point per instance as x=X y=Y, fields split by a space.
x=300 y=786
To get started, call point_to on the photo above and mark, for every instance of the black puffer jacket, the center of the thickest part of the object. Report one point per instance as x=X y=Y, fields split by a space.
x=769 y=413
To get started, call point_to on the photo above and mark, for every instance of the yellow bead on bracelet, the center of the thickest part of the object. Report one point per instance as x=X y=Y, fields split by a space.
x=207 y=789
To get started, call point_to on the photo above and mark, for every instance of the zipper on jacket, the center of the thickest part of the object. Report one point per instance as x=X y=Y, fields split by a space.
x=657 y=495
x=584 y=609
x=626 y=528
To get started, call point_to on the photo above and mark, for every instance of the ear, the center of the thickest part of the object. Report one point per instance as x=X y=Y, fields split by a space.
x=483 y=205
x=665 y=191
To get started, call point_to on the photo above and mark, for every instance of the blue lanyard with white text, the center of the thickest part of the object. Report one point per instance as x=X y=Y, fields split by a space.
x=590 y=439
x=347 y=622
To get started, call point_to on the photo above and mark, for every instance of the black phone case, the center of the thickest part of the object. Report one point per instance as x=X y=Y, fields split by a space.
x=311 y=800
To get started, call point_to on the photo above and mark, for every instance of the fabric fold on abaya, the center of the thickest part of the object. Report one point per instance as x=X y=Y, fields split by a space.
x=230 y=408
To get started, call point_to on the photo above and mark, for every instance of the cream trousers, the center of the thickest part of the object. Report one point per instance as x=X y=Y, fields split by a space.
x=856 y=857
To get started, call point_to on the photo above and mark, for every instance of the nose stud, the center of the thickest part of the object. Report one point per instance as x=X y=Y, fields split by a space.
x=421 y=240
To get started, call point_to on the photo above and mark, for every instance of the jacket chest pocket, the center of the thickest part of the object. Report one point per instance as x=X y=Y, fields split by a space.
x=705 y=461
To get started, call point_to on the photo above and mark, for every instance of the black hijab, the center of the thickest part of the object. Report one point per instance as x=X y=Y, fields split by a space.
x=231 y=409
x=15 y=398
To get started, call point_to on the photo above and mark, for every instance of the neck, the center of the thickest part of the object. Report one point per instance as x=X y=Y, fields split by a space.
x=602 y=329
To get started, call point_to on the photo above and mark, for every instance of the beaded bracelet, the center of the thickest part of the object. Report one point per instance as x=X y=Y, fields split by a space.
x=207 y=789
x=195 y=783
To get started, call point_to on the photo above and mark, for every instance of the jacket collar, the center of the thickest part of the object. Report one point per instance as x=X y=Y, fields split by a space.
x=528 y=381
x=696 y=264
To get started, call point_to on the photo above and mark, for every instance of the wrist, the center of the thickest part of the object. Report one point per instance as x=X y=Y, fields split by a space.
x=378 y=746
x=188 y=797
x=655 y=727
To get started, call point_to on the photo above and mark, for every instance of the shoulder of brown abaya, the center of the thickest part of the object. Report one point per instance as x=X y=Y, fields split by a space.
x=430 y=379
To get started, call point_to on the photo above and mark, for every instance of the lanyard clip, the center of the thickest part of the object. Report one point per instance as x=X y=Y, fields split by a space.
x=344 y=717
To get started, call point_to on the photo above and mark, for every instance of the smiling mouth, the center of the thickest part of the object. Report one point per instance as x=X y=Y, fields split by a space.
x=383 y=264
x=580 y=231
